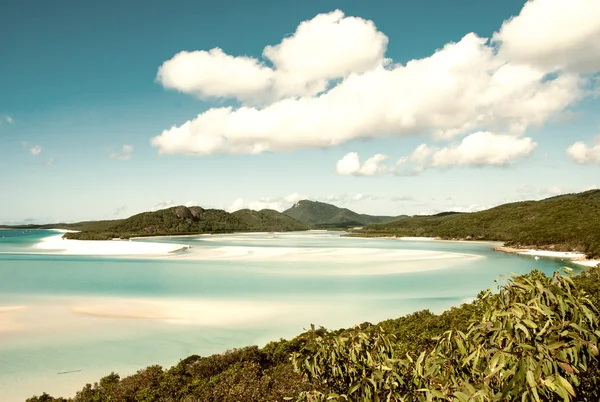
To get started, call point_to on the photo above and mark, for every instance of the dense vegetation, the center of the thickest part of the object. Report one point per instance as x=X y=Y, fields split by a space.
x=564 y=223
x=193 y=220
x=322 y=215
x=534 y=339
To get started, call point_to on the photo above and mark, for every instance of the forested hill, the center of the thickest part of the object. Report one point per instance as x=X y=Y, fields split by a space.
x=320 y=214
x=193 y=220
x=567 y=223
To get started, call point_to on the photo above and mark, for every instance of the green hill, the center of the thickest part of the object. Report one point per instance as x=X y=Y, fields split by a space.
x=320 y=214
x=193 y=220
x=565 y=223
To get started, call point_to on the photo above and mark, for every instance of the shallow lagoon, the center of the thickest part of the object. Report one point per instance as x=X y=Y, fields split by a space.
x=86 y=316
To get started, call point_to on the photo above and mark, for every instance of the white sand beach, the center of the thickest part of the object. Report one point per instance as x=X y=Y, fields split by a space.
x=577 y=258
x=56 y=244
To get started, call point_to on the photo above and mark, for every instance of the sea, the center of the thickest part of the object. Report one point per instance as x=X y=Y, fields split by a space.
x=67 y=320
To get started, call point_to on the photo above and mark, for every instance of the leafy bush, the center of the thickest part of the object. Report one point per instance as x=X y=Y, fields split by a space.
x=533 y=341
x=535 y=336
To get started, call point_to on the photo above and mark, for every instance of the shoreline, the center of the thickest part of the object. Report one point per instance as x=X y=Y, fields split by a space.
x=55 y=244
x=574 y=257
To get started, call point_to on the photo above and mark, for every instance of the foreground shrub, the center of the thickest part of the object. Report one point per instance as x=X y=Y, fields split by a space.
x=534 y=340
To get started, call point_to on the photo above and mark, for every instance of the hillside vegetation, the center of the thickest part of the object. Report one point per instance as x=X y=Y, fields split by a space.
x=534 y=340
x=564 y=223
x=322 y=215
x=193 y=220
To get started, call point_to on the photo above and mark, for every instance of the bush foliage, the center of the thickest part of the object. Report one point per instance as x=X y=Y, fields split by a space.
x=536 y=338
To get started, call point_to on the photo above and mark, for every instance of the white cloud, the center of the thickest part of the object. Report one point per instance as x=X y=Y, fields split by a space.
x=282 y=203
x=277 y=203
x=9 y=119
x=470 y=208
x=123 y=154
x=35 y=150
x=531 y=190
x=403 y=198
x=554 y=35
x=478 y=149
x=319 y=92
x=350 y=165
x=162 y=205
x=584 y=154
x=346 y=199
x=329 y=46
x=215 y=74
x=50 y=162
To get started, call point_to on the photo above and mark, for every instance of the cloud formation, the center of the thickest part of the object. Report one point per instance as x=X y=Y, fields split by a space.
x=350 y=165
x=281 y=203
x=478 y=149
x=337 y=46
x=554 y=35
x=123 y=154
x=277 y=203
x=9 y=119
x=314 y=90
x=583 y=154
x=35 y=150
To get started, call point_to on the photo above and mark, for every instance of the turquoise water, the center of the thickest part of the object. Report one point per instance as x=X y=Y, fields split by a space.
x=94 y=315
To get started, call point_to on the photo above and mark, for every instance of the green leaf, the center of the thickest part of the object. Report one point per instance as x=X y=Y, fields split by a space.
x=567 y=385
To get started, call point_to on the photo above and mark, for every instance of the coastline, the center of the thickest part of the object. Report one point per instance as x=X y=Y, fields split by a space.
x=574 y=257
x=57 y=245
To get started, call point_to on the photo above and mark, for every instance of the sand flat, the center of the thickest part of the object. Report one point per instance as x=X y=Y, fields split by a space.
x=9 y=322
x=57 y=244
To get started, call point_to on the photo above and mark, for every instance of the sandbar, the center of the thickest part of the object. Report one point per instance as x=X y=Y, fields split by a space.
x=57 y=245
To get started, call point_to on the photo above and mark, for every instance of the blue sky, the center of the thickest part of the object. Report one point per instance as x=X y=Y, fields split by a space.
x=95 y=96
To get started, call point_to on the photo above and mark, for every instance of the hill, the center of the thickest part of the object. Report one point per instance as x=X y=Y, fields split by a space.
x=322 y=215
x=565 y=223
x=193 y=220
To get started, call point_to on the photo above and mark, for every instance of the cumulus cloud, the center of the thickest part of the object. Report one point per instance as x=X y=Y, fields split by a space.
x=170 y=203
x=532 y=190
x=470 y=208
x=329 y=46
x=35 y=150
x=403 y=198
x=122 y=154
x=554 y=35
x=478 y=149
x=350 y=165
x=49 y=162
x=329 y=83
x=277 y=203
x=9 y=119
x=583 y=154
x=281 y=203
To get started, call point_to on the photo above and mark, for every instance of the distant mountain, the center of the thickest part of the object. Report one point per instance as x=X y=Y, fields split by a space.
x=565 y=223
x=320 y=214
x=193 y=220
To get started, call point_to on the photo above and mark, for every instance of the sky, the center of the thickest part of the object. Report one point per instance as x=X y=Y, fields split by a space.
x=112 y=108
